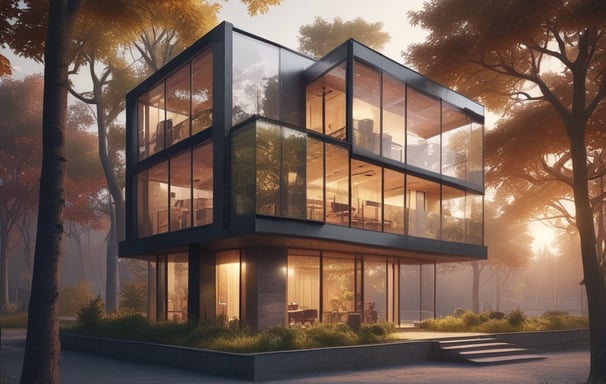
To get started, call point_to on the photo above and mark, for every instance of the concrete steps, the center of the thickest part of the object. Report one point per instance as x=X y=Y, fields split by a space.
x=484 y=350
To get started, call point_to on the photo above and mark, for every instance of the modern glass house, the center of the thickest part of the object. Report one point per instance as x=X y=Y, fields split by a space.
x=271 y=188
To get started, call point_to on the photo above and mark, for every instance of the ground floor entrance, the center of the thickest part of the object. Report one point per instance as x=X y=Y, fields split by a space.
x=265 y=287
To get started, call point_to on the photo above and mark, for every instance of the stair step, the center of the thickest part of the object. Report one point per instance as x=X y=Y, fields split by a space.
x=468 y=341
x=473 y=346
x=506 y=359
x=492 y=351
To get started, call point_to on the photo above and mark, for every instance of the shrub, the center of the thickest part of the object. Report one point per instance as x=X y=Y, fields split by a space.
x=133 y=297
x=373 y=333
x=14 y=320
x=458 y=312
x=498 y=315
x=495 y=326
x=90 y=315
x=73 y=297
x=330 y=335
x=133 y=326
x=516 y=318
x=470 y=319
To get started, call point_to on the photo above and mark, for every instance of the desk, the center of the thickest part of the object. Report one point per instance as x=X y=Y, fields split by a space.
x=302 y=316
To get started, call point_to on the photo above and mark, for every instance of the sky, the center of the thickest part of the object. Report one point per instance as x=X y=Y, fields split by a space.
x=281 y=23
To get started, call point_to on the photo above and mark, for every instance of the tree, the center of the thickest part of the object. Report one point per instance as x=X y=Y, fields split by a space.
x=544 y=54
x=320 y=37
x=20 y=160
x=43 y=30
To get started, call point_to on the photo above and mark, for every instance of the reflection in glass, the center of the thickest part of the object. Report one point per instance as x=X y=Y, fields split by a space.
x=303 y=289
x=177 y=105
x=315 y=179
x=157 y=197
x=202 y=92
x=338 y=286
x=367 y=108
x=152 y=121
x=337 y=185
x=325 y=103
x=423 y=207
x=228 y=285
x=456 y=139
x=180 y=192
x=410 y=294
x=394 y=109
x=427 y=291
x=375 y=297
x=423 y=131
x=243 y=170
x=393 y=195
x=255 y=79
x=366 y=194
x=455 y=215
x=293 y=175
x=176 y=286
x=268 y=156
x=203 y=184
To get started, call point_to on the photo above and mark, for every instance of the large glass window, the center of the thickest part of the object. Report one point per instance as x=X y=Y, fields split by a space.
x=176 y=287
x=423 y=207
x=410 y=294
x=428 y=276
x=394 y=112
x=455 y=215
x=325 y=103
x=423 y=131
x=338 y=284
x=367 y=211
x=165 y=199
x=243 y=170
x=202 y=91
x=375 y=285
x=367 y=108
x=293 y=174
x=178 y=105
x=303 y=287
x=315 y=179
x=203 y=184
x=456 y=140
x=337 y=185
x=228 y=285
x=184 y=98
x=393 y=195
x=180 y=192
x=268 y=156
x=255 y=79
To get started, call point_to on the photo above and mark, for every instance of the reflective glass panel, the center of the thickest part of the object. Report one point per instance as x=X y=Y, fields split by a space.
x=423 y=131
x=243 y=170
x=338 y=287
x=268 y=154
x=176 y=286
x=303 y=290
x=325 y=100
x=456 y=142
x=410 y=294
x=293 y=174
x=367 y=211
x=228 y=285
x=393 y=195
x=157 y=197
x=367 y=108
x=315 y=179
x=177 y=105
x=423 y=207
x=180 y=191
x=394 y=112
x=337 y=185
x=203 y=184
x=255 y=79
x=375 y=294
x=202 y=92
x=455 y=215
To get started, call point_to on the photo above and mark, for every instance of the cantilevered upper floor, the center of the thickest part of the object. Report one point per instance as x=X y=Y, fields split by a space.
x=239 y=140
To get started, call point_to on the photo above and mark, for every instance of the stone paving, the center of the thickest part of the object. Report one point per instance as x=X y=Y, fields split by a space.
x=82 y=368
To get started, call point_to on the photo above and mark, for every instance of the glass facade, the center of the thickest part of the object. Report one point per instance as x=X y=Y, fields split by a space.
x=347 y=146
x=177 y=107
x=177 y=192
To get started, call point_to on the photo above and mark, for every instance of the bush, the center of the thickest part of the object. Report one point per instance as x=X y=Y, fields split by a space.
x=495 y=326
x=133 y=297
x=90 y=316
x=13 y=320
x=73 y=297
x=498 y=315
x=330 y=335
x=516 y=318
x=373 y=333
x=470 y=319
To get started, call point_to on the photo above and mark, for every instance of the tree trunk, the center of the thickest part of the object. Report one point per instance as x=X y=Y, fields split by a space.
x=475 y=286
x=594 y=281
x=3 y=270
x=112 y=290
x=42 y=347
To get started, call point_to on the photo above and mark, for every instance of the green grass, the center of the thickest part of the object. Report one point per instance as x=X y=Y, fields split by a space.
x=497 y=322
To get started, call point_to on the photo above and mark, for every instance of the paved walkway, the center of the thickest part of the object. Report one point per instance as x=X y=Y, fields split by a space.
x=83 y=368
